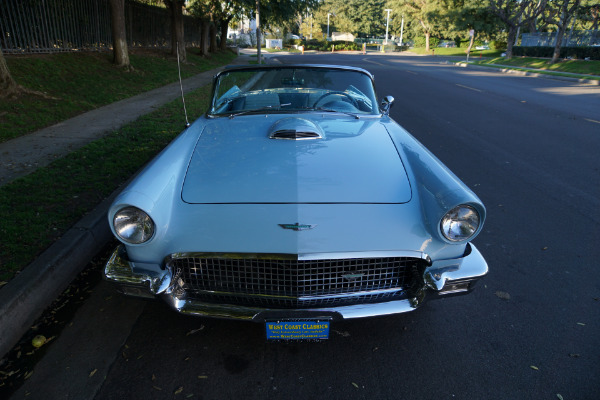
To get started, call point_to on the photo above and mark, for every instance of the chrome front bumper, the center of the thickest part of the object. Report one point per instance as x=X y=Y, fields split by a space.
x=442 y=279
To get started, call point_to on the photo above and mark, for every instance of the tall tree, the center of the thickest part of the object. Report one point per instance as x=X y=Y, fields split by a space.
x=515 y=14
x=460 y=16
x=120 y=50
x=359 y=17
x=202 y=9
x=561 y=13
x=8 y=86
x=428 y=14
x=177 y=39
x=589 y=15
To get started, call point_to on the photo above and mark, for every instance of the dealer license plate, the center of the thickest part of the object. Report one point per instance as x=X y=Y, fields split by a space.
x=297 y=330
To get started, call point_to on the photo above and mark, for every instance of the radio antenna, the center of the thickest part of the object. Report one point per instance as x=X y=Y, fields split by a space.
x=187 y=123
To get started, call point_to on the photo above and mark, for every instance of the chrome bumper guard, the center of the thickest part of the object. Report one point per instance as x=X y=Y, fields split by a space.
x=442 y=279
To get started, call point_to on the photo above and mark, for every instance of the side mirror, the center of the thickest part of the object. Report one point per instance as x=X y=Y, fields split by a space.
x=386 y=105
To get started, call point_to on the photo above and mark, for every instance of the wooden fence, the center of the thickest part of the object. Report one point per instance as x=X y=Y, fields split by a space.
x=44 y=26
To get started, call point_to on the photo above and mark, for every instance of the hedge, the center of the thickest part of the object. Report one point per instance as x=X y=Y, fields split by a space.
x=579 y=53
x=326 y=46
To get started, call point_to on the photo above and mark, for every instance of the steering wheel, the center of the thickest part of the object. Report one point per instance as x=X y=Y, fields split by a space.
x=336 y=93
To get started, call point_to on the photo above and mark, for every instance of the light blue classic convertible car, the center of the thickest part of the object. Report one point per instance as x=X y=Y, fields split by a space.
x=295 y=201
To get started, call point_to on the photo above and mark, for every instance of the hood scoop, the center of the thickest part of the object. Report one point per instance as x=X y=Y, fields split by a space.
x=295 y=129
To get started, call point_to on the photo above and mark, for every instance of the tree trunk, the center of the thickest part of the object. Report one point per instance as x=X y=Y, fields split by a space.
x=512 y=34
x=204 y=37
x=563 y=24
x=427 y=34
x=8 y=86
x=177 y=39
x=558 y=44
x=213 y=38
x=224 y=29
x=120 y=51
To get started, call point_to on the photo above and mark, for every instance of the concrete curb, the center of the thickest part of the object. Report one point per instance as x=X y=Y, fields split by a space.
x=531 y=74
x=27 y=295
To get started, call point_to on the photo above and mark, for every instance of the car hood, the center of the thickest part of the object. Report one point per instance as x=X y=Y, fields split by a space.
x=259 y=159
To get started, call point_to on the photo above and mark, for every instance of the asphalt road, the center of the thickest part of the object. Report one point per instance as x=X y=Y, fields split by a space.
x=529 y=148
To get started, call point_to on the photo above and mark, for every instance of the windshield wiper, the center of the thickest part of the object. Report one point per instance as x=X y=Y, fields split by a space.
x=277 y=108
x=355 y=116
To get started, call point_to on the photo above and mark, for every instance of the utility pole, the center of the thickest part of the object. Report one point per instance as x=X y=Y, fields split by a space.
x=387 y=24
x=401 y=30
x=328 y=14
x=258 y=31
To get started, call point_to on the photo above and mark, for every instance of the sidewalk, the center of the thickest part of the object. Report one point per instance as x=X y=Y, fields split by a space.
x=23 y=155
x=28 y=294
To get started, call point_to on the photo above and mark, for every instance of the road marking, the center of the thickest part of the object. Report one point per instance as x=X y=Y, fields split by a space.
x=374 y=62
x=412 y=72
x=470 y=88
x=592 y=120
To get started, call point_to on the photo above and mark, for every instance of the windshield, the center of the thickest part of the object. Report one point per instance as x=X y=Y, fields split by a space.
x=293 y=89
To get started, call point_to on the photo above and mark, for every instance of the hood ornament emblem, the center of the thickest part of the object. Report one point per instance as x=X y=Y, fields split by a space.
x=297 y=226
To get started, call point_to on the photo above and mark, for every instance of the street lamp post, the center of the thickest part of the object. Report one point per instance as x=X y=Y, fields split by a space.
x=387 y=24
x=328 y=14
x=401 y=30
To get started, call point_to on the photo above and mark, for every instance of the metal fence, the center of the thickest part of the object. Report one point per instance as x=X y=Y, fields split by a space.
x=44 y=26
x=571 y=39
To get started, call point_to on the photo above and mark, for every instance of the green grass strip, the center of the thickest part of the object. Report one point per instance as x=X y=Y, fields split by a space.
x=37 y=209
x=563 y=67
x=74 y=83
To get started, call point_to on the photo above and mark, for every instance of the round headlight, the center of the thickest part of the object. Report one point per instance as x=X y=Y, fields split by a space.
x=133 y=225
x=460 y=223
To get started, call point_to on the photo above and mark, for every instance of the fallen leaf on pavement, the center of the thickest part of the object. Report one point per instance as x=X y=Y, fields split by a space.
x=534 y=367
x=93 y=372
x=195 y=331
x=503 y=295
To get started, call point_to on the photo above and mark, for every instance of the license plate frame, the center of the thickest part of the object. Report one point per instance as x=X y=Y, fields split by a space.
x=297 y=330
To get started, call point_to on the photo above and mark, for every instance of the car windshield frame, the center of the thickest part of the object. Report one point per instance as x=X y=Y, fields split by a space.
x=267 y=89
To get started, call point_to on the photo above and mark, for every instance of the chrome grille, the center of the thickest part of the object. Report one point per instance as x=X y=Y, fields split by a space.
x=291 y=283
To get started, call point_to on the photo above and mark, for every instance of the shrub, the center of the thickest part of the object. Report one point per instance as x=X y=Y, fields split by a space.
x=341 y=45
x=565 y=52
x=498 y=45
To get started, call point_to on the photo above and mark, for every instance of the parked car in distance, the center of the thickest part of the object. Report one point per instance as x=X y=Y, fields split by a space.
x=295 y=202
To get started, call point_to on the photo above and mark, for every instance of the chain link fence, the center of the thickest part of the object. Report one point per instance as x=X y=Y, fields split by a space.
x=571 y=39
x=45 y=26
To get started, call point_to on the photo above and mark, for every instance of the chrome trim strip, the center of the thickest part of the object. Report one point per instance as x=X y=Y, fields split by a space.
x=261 y=314
x=301 y=256
x=301 y=298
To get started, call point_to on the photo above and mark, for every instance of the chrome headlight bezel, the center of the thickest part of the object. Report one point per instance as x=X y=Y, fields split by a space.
x=133 y=225
x=460 y=224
